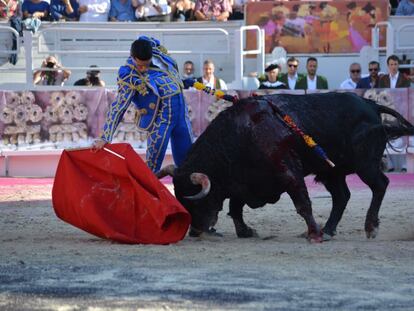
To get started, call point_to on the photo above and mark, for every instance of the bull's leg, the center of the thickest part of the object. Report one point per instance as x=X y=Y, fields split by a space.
x=337 y=187
x=378 y=183
x=300 y=197
x=236 y=213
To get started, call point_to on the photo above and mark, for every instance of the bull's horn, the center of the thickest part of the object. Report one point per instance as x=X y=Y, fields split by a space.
x=166 y=170
x=200 y=179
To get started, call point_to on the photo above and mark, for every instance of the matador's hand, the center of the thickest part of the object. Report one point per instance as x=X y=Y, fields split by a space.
x=98 y=144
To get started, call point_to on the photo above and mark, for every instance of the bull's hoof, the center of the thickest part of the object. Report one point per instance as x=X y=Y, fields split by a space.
x=212 y=231
x=315 y=237
x=371 y=229
x=247 y=233
x=194 y=233
x=327 y=235
x=211 y=236
x=372 y=234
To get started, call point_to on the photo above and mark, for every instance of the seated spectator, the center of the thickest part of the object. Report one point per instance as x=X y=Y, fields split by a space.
x=272 y=72
x=311 y=81
x=237 y=9
x=354 y=77
x=48 y=77
x=291 y=77
x=209 y=79
x=182 y=10
x=94 y=10
x=212 y=10
x=8 y=9
x=121 y=11
x=405 y=8
x=372 y=80
x=92 y=78
x=393 y=79
x=36 y=9
x=152 y=10
x=188 y=74
x=64 y=10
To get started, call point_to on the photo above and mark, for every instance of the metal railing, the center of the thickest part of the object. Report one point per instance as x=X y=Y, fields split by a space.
x=16 y=36
x=259 y=52
x=393 y=39
x=57 y=41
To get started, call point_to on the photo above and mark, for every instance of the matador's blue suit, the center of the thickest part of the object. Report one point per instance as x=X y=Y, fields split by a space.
x=157 y=94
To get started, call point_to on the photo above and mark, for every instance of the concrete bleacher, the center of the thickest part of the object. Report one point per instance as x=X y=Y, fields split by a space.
x=79 y=45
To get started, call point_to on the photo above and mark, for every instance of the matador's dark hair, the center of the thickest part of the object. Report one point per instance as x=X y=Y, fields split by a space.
x=141 y=49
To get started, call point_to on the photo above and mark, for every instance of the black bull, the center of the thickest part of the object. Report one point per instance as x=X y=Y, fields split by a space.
x=250 y=155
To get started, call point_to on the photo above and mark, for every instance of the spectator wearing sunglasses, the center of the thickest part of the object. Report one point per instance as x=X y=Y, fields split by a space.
x=292 y=75
x=372 y=81
x=354 y=77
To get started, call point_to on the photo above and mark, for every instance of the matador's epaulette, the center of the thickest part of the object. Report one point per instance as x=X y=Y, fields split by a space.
x=134 y=80
x=163 y=49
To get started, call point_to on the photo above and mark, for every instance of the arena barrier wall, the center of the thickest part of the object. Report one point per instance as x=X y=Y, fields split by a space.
x=35 y=126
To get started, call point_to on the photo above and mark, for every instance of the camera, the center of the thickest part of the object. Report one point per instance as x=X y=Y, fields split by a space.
x=50 y=64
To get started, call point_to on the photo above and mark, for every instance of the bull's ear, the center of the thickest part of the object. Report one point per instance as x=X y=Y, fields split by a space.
x=166 y=171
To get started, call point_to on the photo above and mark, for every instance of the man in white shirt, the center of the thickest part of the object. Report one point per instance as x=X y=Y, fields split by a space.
x=94 y=10
x=312 y=81
x=209 y=79
x=393 y=79
x=355 y=76
x=291 y=77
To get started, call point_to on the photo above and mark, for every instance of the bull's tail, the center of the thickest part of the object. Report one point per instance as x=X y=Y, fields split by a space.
x=396 y=130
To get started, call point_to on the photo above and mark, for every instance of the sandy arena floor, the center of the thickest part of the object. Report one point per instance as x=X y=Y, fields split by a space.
x=46 y=264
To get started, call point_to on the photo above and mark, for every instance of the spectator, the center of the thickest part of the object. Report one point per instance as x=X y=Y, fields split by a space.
x=393 y=79
x=121 y=11
x=35 y=9
x=405 y=8
x=291 y=77
x=355 y=77
x=182 y=10
x=372 y=80
x=8 y=9
x=212 y=10
x=66 y=10
x=209 y=79
x=237 y=9
x=188 y=74
x=152 y=10
x=94 y=10
x=92 y=78
x=272 y=72
x=311 y=81
x=49 y=77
